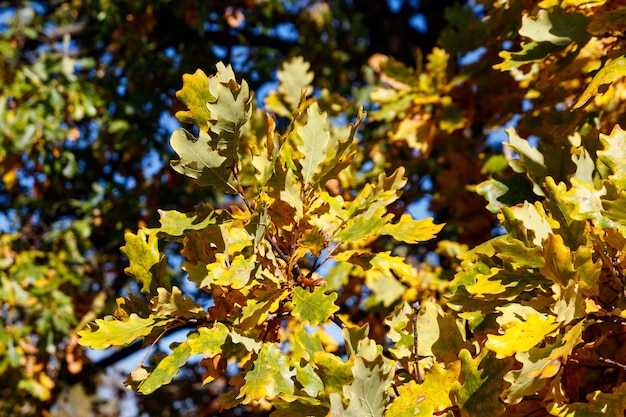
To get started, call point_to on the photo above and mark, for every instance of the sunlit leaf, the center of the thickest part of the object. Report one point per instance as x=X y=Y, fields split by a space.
x=195 y=94
x=198 y=160
x=166 y=369
x=614 y=152
x=608 y=74
x=367 y=394
x=555 y=26
x=174 y=223
x=270 y=376
x=363 y=226
x=559 y=263
x=311 y=382
x=433 y=396
x=521 y=335
x=147 y=265
x=235 y=275
x=313 y=307
x=118 y=333
x=412 y=231
x=295 y=78
x=316 y=142
x=208 y=341
x=334 y=372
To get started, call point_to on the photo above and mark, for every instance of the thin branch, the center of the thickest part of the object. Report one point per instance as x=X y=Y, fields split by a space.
x=335 y=319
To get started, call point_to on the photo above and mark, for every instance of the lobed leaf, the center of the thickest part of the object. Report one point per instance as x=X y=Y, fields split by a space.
x=608 y=74
x=521 y=335
x=412 y=231
x=315 y=306
x=166 y=369
x=175 y=223
x=316 y=143
x=118 y=333
x=195 y=95
x=295 y=78
x=367 y=394
x=614 y=152
x=270 y=377
x=147 y=265
x=556 y=27
x=431 y=397
x=479 y=393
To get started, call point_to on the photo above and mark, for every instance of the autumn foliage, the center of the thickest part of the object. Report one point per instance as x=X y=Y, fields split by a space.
x=308 y=286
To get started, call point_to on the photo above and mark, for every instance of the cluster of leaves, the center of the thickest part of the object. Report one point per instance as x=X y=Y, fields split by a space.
x=532 y=320
x=314 y=236
x=268 y=306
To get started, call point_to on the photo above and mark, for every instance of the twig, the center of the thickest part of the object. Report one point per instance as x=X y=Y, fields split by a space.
x=419 y=374
x=338 y=321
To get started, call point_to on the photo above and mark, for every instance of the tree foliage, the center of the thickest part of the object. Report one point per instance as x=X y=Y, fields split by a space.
x=289 y=261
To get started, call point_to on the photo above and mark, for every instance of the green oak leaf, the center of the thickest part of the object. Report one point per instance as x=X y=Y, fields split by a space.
x=344 y=153
x=491 y=190
x=524 y=381
x=147 y=265
x=400 y=324
x=439 y=334
x=208 y=341
x=305 y=344
x=483 y=383
x=412 y=231
x=270 y=377
x=316 y=143
x=614 y=153
x=429 y=398
x=367 y=394
x=363 y=226
x=313 y=307
x=201 y=162
x=195 y=95
x=358 y=343
x=118 y=333
x=514 y=252
x=311 y=383
x=230 y=111
x=235 y=275
x=295 y=77
x=166 y=369
x=386 y=289
x=556 y=27
x=334 y=373
x=175 y=223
